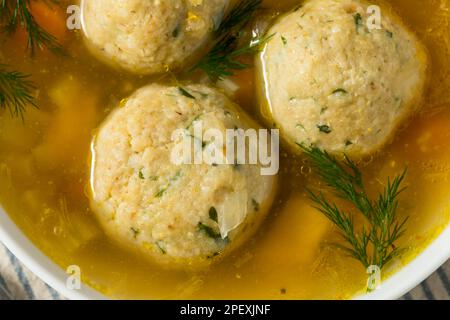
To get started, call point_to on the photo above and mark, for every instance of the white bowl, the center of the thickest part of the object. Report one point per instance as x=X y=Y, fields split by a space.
x=435 y=255
x=13 y=238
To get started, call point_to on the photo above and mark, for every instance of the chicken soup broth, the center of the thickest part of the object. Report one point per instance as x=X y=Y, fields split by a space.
x=45 y=166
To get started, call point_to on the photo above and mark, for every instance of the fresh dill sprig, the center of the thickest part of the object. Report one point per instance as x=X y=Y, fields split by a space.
x=16 y=13
x=223 y=58
x=239 y=16
x=374 y=243
x=16 y=92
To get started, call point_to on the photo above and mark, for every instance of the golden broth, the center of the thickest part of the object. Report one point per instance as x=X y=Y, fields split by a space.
x=44 y=173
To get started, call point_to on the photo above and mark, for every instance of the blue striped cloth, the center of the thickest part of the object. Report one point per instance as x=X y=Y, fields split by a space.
x=18 y=283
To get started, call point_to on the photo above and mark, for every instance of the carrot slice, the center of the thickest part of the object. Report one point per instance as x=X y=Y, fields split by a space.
x=50 y=17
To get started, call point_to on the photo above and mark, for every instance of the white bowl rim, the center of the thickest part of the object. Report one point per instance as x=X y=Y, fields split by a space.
x=38 y=263
x=415 y=272
x=407 y=278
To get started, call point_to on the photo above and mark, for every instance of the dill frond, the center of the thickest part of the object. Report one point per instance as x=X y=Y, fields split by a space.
x=374 y=243
x=16 y=92
x=223 y=58
x=15 y=14
x=239 y=16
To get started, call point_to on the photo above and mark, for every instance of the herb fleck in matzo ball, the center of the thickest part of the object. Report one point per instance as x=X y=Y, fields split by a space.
x=178 y=215
x=330 y=80
x=149 y=36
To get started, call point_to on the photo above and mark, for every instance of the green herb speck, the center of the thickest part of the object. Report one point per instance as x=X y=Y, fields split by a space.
x=324 y=128
x=205 y=144
x=213 y=214
x=215 y=254
x=358 y=20
x=135 y=231
x=160 y=246
x=340 y=90
x=209 y=231
x=185 y=93
x=194 y=120
x=163 y=190
x=256 y=205
x=176 y=32
x=298 y=7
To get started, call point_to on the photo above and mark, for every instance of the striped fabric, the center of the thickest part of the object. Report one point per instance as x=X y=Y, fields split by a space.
x=436 y=287
x=18 y=283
